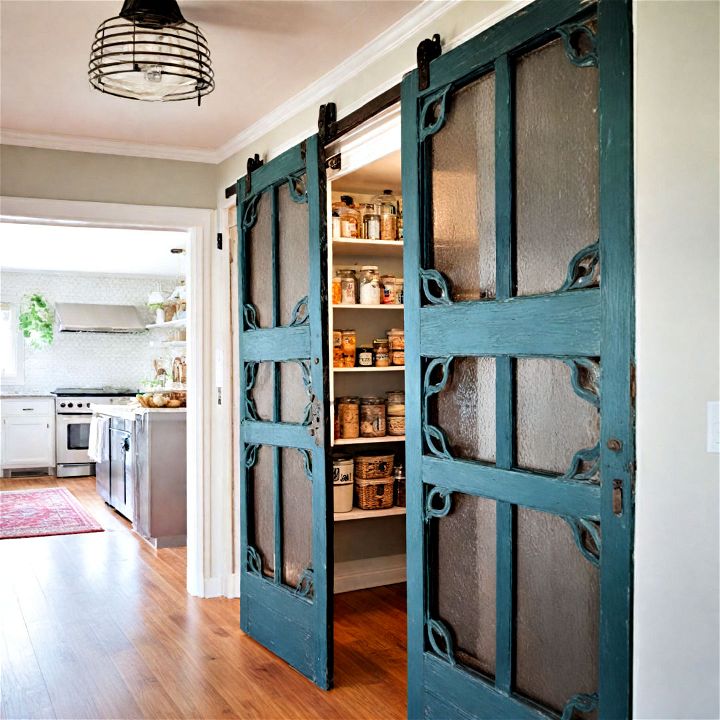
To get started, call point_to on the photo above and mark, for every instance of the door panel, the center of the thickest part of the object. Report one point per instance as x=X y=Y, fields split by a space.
x=517 y=187
x=285 y=510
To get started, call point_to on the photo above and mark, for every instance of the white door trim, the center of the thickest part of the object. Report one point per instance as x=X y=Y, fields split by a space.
x=200 y=225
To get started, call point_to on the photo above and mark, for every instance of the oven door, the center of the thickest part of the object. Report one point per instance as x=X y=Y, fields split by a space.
x=73 y=433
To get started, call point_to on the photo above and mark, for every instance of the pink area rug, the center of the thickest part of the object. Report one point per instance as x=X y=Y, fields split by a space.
x=51 y=511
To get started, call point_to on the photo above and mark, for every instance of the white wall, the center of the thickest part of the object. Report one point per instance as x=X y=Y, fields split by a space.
x=86 y=359
x=676 y=539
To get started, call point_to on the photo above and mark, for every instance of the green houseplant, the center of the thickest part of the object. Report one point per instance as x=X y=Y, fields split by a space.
x=36 y=321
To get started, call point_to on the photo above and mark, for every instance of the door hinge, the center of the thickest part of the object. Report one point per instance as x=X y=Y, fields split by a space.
x=253 y=163
x=334 y=162
x=427 y=51
x=326 y=122
x=219 y=396
x=219 y=241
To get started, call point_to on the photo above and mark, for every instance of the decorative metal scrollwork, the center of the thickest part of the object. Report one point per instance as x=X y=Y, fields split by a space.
x=300 y=314
x=572 y=36
x=585 y=465
x=250 y=214
x=583 y=269
x=307 y=383
x=435 y=437
x=585 y=379
x=583 y=702
x=251 y=369
x=307 y=461
x=586 y=534
x=437 y=511
x=254 y=561
x=251 y=455
x=434 y=112
x=428 y=276
x=438 y=631
x=305 y=586
x=250 y=317
x=297 y=188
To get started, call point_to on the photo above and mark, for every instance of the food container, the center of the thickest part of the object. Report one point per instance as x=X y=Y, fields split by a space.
x=372 y=417
x=395 y=425
x=336 y=290
x=338 y=357
x=388 y=226
x=388 y=289
x=348 y=286
x=399 y=290
x=397 y=357
x=365 y=356
x=374 y=494
x=349 y=344
x=349 y=218
x=369 y=285
x=381 y=352
x=348 y=411
x=396 y=339
x=335 y=224
x=371 y=227
x=372 y=467
x=399 y=486
x=396 y=403
x=343 y=472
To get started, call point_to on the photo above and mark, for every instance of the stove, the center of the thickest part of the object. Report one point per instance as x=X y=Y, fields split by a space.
x=72 y=425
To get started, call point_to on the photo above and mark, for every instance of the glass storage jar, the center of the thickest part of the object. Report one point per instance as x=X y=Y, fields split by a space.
x=348 y=409
x=371 y=227
x=365 y=356
x=381 y=352
x=336 y=290
x=349 y=344
x=349 y=218
x=348 y=286
x=388 y=289
x=369 y=285
x=372 y=417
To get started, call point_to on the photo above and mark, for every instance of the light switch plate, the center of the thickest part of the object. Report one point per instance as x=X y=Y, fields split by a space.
x=713 y=426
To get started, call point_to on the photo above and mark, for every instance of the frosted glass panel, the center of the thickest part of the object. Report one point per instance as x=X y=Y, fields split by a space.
x=293 y=396
x=556 y=143
x=294 y=267
x=558 y=612
x=465 y=410
x=259 y=270
x=297 y=516
x=463 y=192
x=262 y=392
x=465 y=589
x=552 y=422
x=262 y=528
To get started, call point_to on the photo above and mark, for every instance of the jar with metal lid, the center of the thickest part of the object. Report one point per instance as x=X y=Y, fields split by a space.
x=349 y=218
x=388 y=289
x=348 y=409
x=399 y=485
x=386 y=202
x=381 y=352
x=365 y=356
x=371 y=227
x=369 y=285
x=372 y=417
x=348 y=286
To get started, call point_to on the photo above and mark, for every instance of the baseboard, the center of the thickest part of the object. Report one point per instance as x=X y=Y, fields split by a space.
x=227 y=586
x=369 y=572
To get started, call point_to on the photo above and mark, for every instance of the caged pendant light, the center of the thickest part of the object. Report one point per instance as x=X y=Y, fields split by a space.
x=150 y=52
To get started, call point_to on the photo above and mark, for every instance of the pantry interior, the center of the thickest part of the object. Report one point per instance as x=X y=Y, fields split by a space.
x=367 y=378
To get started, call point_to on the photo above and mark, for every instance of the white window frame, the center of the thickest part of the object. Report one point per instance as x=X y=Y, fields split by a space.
x=18 y=378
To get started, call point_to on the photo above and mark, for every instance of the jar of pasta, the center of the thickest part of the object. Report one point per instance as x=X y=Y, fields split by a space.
x=348 y=409
x=372 y=417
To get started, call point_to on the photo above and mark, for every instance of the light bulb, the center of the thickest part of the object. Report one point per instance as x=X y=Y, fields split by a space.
x=153 y=73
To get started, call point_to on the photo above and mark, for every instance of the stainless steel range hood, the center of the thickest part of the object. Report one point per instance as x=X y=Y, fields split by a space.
x=84 y=317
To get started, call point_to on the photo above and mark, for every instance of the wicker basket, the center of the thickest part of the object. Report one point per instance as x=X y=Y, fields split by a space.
x=373 y=467
x=374 y=494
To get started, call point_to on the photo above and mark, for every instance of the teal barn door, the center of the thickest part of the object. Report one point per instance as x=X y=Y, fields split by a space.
x=285 y=521
x=517 y=190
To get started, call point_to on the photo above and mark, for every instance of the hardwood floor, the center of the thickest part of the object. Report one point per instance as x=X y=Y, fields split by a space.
x=100 y=626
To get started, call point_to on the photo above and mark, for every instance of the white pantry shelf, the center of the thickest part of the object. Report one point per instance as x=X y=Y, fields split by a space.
x=368 y=441
x=358 y=514
x=169 y=324
x=380 y=248
x=358 y=306
x=390 y=368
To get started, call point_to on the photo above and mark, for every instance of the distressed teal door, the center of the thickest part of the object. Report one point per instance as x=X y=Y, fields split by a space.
x=517 y=189
x=285 y=522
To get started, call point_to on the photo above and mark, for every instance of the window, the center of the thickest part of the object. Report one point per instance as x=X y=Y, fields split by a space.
x=11 y=346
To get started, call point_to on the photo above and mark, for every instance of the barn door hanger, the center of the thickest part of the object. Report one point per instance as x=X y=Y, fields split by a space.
x=427 y=51
x=253 y=164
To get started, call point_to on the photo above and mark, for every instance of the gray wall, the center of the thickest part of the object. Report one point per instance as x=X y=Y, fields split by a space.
x=64 y=175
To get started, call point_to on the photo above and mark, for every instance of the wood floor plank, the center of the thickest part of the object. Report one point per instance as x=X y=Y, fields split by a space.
x=102 y=627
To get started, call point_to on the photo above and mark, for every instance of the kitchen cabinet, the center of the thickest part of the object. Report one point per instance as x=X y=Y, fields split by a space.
x=115 y=474
x=28 y=435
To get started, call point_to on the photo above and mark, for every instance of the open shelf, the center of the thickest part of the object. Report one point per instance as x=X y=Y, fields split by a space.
x=371 y=248
x=358 y=306
x=368 y=441
x=390 y=368
x=358 y=514
x=169 y=324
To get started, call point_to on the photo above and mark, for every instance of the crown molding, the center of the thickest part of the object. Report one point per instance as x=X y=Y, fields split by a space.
x=107 y=147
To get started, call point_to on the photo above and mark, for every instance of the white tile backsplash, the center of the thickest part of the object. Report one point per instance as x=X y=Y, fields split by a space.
x=86 y=359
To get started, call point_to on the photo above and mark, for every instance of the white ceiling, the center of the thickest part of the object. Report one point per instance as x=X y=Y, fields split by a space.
x=263 y=53
x=382 y=174
x=62 y=248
